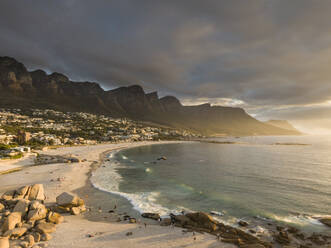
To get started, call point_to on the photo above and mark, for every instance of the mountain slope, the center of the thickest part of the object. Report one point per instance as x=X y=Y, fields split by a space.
x=284 y=124
x=20 y=88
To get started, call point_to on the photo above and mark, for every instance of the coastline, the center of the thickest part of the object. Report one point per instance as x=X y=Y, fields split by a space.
x=98 y=222
x=100 y=225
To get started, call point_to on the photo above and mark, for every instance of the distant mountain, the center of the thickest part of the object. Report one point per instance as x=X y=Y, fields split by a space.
x=20 y=88
x=282 y=124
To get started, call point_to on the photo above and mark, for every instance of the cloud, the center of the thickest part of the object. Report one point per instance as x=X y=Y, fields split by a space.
x=265 y=53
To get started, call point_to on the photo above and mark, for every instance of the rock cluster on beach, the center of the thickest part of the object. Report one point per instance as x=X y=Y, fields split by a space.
x=55 y=159
x=27 y=221
x=203 y=222
x=244 y=236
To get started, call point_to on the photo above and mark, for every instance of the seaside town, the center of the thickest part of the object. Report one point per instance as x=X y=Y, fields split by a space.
x=23 y=130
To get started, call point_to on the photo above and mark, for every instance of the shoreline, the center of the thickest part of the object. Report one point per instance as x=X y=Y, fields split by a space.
x=100 y=221
x=97 y=227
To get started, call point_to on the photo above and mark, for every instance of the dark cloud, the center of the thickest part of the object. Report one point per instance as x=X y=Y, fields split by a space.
x=263 y=53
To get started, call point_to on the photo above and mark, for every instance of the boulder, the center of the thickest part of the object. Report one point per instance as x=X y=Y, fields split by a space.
x=4 y=242
x=68 y=200
x=11 y=221
x=2 y=208
x=23 y=192
x=153 y=216
x=203 y=220
x=30 y=240
x=75 y=211
x=283 y=238
x=9 y=195
x=37 y=211
x=22 y=206
x=37 y=192
x=46 y=237
x=182 y=221
x=36 y=236
x=165 y=222
x=16 y=232
x=242 y=223
x=45 y=228
x=132 y=220
x=24 y=244
x=55 y=218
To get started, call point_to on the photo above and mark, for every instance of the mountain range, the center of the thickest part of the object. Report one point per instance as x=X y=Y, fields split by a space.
x=20 y=88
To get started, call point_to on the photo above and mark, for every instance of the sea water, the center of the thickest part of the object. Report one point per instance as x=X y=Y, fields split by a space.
x=284 y=178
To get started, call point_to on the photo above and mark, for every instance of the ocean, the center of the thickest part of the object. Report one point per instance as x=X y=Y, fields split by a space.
x=282 y=178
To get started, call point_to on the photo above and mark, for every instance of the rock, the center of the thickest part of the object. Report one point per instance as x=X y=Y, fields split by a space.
x=203 y=220
x=2 y=208
x=75 y=211
x=30 y=239
x=4 y=242
x=300 y=236
x=23 y=192
x=153 y=216
x=68 y=200
x=43 y=245
x=283 y=238
x=46 y=237
x=182 y=221
x=24 y=244
x=59 y=209
x=82 y=208
x=37 y=211
x=74 y=160
x=36 y=237
x=165 y=222
x=9 y=195
x=292 y=229
x=55 y=218
x=242 y=223
x=326 y=221
x=11 y=221
x=252 y=246
x=317 y=239
x=22 y=206
x=45 y=228
x=132 y=220
x=37 y=192
x=16 y=232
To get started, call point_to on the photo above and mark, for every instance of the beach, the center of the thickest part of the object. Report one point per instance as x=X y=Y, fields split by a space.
x=97 y=227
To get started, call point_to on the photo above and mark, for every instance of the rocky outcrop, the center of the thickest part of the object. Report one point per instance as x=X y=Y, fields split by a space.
x=153 y=216
x=68 y=203
x=203 y=222
x=55 y=159
x=25 y=219
x=23 y=89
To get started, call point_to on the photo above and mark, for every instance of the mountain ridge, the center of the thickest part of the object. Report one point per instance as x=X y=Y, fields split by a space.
x=37 y=89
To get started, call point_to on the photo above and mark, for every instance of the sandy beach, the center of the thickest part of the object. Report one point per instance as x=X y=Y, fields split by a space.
x=97 y=227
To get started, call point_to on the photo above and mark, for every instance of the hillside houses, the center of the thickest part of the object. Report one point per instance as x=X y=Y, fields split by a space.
x=37 y=128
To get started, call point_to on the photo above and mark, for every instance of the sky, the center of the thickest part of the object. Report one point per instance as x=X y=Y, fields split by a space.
x=271 y=57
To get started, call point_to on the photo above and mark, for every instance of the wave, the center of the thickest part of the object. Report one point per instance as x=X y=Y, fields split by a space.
x=108 y=180
x=300 y=219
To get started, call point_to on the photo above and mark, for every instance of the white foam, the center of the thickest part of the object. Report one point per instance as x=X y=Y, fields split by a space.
x=107 y=179
x=298 y=219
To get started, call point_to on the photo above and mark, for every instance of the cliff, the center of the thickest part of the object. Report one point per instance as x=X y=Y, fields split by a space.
x=20 y=88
